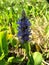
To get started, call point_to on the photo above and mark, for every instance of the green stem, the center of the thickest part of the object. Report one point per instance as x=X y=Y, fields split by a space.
x=28 y=49
x=28 y=52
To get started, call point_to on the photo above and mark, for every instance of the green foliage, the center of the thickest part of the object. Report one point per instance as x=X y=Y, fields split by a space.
x=47 y=30
x=37 y=58
x=10 y=59
x=3 y=45
x=30 y=60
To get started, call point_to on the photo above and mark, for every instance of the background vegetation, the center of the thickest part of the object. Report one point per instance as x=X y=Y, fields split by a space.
x=12 y=52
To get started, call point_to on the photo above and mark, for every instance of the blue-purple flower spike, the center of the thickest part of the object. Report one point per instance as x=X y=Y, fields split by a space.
x=23 y=28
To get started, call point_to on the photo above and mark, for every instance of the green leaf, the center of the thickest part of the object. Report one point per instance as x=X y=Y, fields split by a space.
x=47 y=31
x=0 y=45
x=37 y=58
x=30 y=61
x=1 y=50
x=4 y=43
x=10 y=59
x=2 y=56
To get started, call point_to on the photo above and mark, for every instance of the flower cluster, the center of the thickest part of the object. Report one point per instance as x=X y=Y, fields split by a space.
x=23 y=28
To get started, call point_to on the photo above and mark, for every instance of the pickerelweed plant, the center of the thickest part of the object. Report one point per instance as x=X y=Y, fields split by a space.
x=24 y=32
